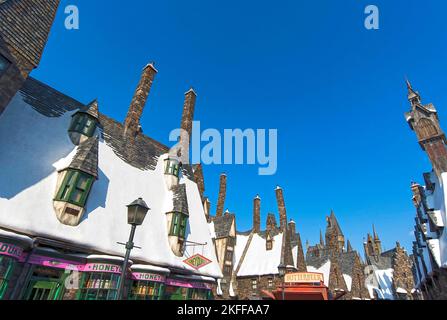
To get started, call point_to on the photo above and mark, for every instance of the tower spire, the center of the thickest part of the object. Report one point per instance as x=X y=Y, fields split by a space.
x=321 y=238
x=349 y=246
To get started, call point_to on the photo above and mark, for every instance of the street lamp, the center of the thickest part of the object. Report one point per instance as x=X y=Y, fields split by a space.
x=136 y=212
x=282 y=274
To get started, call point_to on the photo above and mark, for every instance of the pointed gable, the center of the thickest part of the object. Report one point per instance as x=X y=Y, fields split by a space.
x=86 y=157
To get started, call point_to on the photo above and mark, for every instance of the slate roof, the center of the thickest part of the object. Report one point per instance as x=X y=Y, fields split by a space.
x=180 y=199
x=32 y=20
x=334 y=223
x=222 y=225
x=317 y=261
x=46 y=100
x=142 y=152
x=86 y=158
x=347 y=261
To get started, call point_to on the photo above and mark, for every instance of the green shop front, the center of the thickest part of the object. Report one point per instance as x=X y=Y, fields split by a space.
x=12 y=254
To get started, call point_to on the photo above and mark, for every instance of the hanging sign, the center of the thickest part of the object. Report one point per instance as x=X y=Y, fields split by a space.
x=102 y=267
x=188 y=284
x=197 y=261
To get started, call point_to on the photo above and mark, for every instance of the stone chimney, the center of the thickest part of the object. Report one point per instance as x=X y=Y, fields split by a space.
x=199 y=179
x=281 y=208
x=257 y=214
x=132 y=121
x=188 y=116
x=222 y=195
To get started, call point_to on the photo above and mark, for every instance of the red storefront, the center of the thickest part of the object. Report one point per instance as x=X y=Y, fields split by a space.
x=301 y=286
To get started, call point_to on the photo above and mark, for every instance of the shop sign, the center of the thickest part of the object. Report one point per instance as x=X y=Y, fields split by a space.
x=197 y=261
x=55 y=263
x=303 y=277
x=102 y=267
x=10 y=250
x=186 y=284
x=145 y=276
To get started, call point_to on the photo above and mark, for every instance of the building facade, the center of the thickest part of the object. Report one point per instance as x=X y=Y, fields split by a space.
x=68 y=172
x=429 y=247
x=341 y=266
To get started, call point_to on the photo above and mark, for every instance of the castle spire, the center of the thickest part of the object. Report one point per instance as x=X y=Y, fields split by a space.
x=321 y=238
x=349 y=246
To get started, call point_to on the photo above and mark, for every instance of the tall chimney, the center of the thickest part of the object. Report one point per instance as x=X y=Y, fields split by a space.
x=222 y=194
x=188 y=114
x=281 y=209
x=198 y=177
x=132 y=122
x=257 y=214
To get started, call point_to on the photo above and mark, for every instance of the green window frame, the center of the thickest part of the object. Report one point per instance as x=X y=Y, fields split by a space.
x=99 y=286
x=75 y=188
x=7 y=265
x=146 y=290
x=172 y=167
x=199 y=294
x=83 y=124
x=178 y=224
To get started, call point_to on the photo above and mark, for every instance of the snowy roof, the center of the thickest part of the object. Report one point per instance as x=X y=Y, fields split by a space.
x=348 y=281
x=34 y=145
x=12 y=235
x=324 y=268
x=260 y=261
x=385 y=281
x=145 y=267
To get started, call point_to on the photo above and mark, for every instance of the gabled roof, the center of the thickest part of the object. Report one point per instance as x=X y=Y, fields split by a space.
x=25 y=25
x=86 y=157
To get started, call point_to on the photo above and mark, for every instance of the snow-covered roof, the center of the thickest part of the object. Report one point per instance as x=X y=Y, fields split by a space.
x=260 y=261
x=325 y=269
x=145 y=267
x=34 y=145
x=385 y=281
x=348 y=281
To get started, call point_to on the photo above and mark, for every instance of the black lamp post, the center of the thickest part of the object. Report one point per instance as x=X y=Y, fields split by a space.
x=282 y=274
x=136 y=212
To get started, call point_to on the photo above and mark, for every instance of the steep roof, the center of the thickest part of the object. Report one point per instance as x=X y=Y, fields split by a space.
x=222 y=225
x=32 y=20
x=180 y=199
x=86 y=157
x=334 y=223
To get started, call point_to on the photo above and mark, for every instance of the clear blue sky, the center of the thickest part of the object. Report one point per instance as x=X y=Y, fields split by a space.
x=334 y=90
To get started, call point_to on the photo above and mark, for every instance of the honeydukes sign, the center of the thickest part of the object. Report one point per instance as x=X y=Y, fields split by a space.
x=304 y=277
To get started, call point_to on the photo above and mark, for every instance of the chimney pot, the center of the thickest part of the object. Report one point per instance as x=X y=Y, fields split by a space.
x=257 y=214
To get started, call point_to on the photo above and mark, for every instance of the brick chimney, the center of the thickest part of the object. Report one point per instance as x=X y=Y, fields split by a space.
x=132 y=121
x=281 y=208
x=188 y=115
x=198 y=178
x=222 y=195
x=257 y=214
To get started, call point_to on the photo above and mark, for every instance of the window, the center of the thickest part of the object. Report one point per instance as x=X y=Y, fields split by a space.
x=270 y=282
x=99 y=286
x=254 y=284
x=75 y=188
x=146 y=290
x=4 y=64
x=6 y=267
x=178 y=224
x=269 y=245
x=172 y=167
x=199 y=294
x=227 y=270
x=229 y=255
x=83 y=124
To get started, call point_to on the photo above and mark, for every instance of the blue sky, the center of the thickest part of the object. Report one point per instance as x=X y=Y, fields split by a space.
x=334 y=90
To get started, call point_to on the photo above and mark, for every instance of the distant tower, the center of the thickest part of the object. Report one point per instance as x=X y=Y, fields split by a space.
x=377 y=242
x=423 y=119
x=335 y=240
